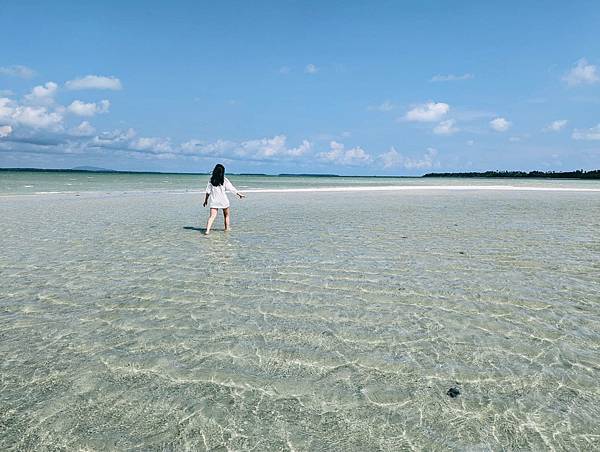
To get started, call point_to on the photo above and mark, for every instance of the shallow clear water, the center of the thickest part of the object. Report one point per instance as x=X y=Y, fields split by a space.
x=323 y=321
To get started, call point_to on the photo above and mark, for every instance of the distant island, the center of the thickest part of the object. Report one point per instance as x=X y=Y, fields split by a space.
x=579 y=174
x=93 y=169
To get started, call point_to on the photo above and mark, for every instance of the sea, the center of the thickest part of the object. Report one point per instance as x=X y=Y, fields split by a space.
x=339 y=313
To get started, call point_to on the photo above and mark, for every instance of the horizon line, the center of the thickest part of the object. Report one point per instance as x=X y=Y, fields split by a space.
x=461 y=174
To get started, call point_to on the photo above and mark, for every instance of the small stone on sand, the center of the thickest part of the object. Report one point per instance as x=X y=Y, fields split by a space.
x=453 y=392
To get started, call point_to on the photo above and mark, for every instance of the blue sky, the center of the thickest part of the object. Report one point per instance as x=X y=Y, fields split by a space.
x=347 y=87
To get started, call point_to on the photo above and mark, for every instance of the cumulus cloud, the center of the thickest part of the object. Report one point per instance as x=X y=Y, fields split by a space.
x=556 y=126
x=259 y=149
x=94 y=82
x=6 y=108
x=583 y=73
x=338 y=154
x=42 y=94
x=451 y=78
x=500 y=124
x=202 y=148
x=428 y=112
x=80 y=108
x=311 y=69
x=591 y=134
x=37 y=117
x=446 y=127
x=85 y=129
x=17 y=70
x=156 y=145
x=272 y=147
x=386 y=105
x=393 y=158
x=114 y=139
x=34 y=116
x=5 y=131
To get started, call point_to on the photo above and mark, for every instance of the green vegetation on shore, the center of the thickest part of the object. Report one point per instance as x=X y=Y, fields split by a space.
x=579 y=174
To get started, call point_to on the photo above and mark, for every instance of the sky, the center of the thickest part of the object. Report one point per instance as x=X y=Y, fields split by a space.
x=345 y=87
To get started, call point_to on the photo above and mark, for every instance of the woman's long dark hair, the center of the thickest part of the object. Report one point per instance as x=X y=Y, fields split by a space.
x=218 y=175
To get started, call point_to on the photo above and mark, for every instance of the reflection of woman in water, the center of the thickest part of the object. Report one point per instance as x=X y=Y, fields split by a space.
x=215 y=190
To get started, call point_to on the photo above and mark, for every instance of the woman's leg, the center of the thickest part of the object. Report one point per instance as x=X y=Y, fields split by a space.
x=226 y=218
x=211 y=219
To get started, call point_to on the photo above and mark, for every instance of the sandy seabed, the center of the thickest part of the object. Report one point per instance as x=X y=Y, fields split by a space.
x=323 y=321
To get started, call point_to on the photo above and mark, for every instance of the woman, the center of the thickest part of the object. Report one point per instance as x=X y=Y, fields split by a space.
x=215 y=190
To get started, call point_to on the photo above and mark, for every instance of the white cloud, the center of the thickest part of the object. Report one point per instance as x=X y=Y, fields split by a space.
x=311 y=69
x=6 y=92
x=555 y=126
x=393 y=158
x=591 y=134
x=259 y=149
x=37 y=117
x=429 y=112
x=427 y=161
x=272 y=147
x=42 y=94
x=341 y=156
x=94 y=82
x=446 y=127
x=17 y=70
x=5 y=131
x=6 y=108
x=384 y=106
x=500 y=124
x=514 y=139
x=80 y=108
x=216 y=148
x=85 y=129
x=152 y=144
x=583 y=73
x=451 y=77
x=114 y=139
x=34 y=116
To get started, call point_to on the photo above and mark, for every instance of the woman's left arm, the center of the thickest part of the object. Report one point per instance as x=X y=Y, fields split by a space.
x=229 y=186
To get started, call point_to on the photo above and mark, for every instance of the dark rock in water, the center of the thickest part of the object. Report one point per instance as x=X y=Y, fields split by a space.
x=461 y=252
x=453 y=392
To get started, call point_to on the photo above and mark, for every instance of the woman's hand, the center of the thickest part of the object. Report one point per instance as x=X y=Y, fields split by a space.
x=241 y=195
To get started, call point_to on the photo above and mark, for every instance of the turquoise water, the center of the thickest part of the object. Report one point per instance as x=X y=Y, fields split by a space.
x=322 y=321
x=44 y=182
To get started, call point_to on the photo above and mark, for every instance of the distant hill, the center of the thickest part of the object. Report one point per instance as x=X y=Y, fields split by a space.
x=93 y=168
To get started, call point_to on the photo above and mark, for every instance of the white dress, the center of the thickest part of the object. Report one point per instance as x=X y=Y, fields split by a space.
x=218 y=198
